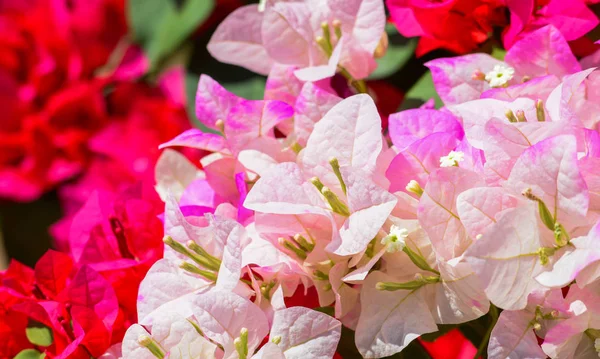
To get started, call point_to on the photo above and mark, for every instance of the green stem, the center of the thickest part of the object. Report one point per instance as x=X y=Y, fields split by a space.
x=359 y=85
x=484 y=342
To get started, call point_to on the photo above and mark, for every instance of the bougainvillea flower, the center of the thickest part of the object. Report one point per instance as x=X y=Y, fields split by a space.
x=76 y=305
x=303 y=34
x=515 y=332
x=576 y=336
x=415 y=299
x=540 y=53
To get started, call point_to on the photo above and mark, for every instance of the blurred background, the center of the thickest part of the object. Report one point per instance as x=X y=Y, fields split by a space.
x=89 y=88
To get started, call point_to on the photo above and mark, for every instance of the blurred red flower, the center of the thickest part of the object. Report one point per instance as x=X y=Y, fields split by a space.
x=49 y=52
x=456 y=25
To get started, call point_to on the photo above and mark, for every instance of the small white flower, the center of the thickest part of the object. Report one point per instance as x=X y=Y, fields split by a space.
x=500 y=75
x=597 y=346
x=453 y=158
x=396 y=240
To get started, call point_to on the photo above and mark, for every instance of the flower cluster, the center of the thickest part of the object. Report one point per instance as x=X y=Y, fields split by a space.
x=462 y=25
x=485 y=206
x=488 y=207
x=53 y=103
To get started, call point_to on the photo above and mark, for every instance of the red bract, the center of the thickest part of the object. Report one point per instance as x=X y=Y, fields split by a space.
x=452 y=345
x=456 y=25
x=49 y=53
x=76 y=304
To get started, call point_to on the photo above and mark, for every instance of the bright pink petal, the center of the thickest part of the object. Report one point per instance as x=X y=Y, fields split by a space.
x=213 y=101
x=453 y=77
x=543 y=52
x=408 y=126
x=195 y=138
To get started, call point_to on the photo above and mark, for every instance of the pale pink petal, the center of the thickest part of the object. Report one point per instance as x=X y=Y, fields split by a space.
x=287 y=34
x=453 y=77
x=238 y=41
x=174 y=173
x=582 y=258
x=563 y=340
x=389 y=321
x=320 y=72
x=306 y=333
x=221 y=315
x=284 y=190
x=282 y=84
x=550 y=169
x=369 y=206
x=220 y=174
x=311 y=106
x=505 y=259
x=166 y=288
x=538 y=88
x=350 y=132
x=478 y=208
x=346 y=297
x=269 y=351
x=589 y=169
x=576 y=100
x=231 y=262
x=363 y=20
x=250 y=120
x=420 y=159
x=475 y=115
x=460 y=297
x=131 y=347
x=437 y=210
x=513 y=337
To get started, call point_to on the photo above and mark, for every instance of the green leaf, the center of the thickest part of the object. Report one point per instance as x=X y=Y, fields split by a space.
x=422 y=91
x=30 y=354
x=327 y=310
x=39 y=335
x=250 y=89
x=399 y=51
x=161 y=27
x=144 y=15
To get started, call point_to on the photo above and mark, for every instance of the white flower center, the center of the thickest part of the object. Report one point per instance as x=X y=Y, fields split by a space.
x=452 y=159
x=396 y=240
x=500 y=75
